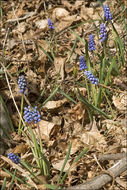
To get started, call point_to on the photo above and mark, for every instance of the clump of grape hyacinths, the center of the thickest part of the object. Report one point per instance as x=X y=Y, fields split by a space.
x=82 y=63
x=107 y=13
x=103 y=32
x=50 y=24
x=91 y=43
x=91 y=77
x=14 y=158
x=22 y=84
x=31 y=115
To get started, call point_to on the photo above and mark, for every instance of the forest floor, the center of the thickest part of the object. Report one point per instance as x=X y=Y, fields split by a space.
x=82 y=131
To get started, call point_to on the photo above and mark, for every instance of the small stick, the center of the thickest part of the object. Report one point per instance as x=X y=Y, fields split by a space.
x=117 y=156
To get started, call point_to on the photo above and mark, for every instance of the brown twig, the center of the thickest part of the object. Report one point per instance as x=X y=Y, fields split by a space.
x=117 y=156
x=104 y=178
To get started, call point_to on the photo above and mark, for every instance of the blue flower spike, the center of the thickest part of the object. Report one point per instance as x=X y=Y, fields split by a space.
x=103 y=32
x=31 y=115
x=91 y=43
x=22 y=84
x=82 y=63
x=50 y=24
x=91 y=77
x=107 y=13
x=14 y=158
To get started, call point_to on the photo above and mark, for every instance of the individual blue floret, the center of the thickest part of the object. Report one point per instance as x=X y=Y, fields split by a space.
x=103 y=32
x=91 y=77
x=22 y=84
x=36 y=115
x=107 y=13
x=82 y=63
x=28 y=114
x=91 y=43
x=14 y=158
x=31 y=115
x=50 y=23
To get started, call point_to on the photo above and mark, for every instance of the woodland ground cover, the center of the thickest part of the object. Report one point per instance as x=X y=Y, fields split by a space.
x=63 y=94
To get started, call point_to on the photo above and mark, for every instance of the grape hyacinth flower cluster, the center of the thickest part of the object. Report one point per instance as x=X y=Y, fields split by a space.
x=14 y=158
x=103 y=31
x=107 y=13
x=31 y=115
x=91 y=43
x=22 y=84
x=91 y=77
x=82 y=63
x=51 y=27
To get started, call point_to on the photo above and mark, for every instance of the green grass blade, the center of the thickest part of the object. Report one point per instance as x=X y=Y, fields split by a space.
x=5 y=132
x=40 y=96
x=7 y=114
x=4 y=184
x=50 y=97
x=88 y=104
x=67 y=96
x=78 y=37
x=19 y=179
x=73 y=48
x=50 y=58
x=12 y=180
x=80 y=155
x=65 y=162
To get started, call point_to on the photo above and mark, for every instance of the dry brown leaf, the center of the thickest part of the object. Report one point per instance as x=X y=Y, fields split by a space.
x=66 y=22
x=51 y=105
x=93 y=137
x=87 y=13
x=58 y=165
x=4 y=174
x=120 y=102
x=59 y=13
x=59 y=65
x=42 y=24
x=78 y=112
x=21 y=148
x=76 y=144
x=46 y=129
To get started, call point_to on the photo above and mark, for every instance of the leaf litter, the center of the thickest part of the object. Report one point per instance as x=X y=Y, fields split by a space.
x=62 y=122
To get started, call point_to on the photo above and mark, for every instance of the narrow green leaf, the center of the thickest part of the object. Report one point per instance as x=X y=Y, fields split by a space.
x=65 y=162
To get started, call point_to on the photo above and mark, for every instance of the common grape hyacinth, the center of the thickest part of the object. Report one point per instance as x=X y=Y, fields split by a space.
x=31 y=115
x=14 y=158
x=91 y=77
x=103 y=32
x=82 y=63
x=51 y=27
x=22 y=84
x=91 y=43
x=107 y=13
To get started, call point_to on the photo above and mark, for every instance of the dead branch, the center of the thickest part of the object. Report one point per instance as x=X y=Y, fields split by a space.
x=117 y=156
x=104 y=178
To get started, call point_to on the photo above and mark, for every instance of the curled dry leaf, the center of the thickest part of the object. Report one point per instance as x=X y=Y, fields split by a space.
x=78 y=112
x=47 y=129
x=120 y=102
x=59 y=13
x=51 y=105
x=59 y=65
x=58 y=165
x=93 y=137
